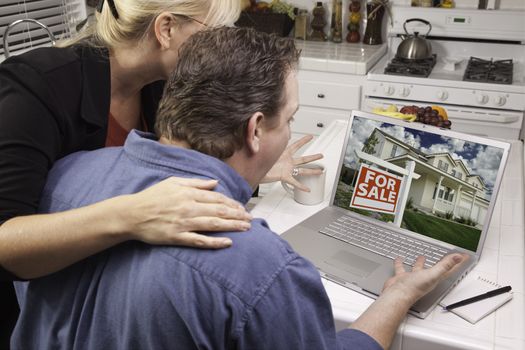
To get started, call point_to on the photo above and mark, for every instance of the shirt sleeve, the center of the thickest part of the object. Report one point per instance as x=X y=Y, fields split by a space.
x=295 y=313
x=29 y=138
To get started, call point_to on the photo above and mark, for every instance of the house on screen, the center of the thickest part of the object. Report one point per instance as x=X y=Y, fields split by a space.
x=446 y=184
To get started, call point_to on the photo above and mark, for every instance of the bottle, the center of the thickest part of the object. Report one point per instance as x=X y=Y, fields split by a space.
x=337 y=21
x=301 y=23
x=354 y=18
x=318 y=23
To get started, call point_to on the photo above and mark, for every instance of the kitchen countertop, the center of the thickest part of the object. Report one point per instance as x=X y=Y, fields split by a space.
x=339 y=58
x=502 y=260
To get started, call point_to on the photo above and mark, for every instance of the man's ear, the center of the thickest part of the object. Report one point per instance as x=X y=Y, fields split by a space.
x=254 y=132
x=163 y=27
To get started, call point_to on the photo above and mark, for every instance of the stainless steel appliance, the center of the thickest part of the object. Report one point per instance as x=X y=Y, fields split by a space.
x=414 y=46
x=477 y=73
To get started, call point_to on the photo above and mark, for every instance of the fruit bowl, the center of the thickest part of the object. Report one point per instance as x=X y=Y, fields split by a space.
x=430 y=115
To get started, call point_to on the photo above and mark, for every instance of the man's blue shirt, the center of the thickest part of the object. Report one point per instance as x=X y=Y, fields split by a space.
x=258 y=294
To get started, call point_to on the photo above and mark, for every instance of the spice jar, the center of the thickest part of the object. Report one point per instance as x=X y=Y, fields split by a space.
x=301 y=24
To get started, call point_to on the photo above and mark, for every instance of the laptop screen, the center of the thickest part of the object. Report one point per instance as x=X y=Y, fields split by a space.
x=424 y=179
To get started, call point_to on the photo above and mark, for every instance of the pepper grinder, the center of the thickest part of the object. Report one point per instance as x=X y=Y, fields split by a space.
x=353 y=35
x=318 y=23
x=337 y=21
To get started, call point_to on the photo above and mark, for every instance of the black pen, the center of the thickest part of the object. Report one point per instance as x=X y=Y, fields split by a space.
x=489 y=294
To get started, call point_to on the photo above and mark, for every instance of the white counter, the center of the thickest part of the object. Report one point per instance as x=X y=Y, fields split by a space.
x=502 y=261
x=344 y=58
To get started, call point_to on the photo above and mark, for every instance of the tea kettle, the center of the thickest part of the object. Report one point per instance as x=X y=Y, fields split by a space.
x=414 y=47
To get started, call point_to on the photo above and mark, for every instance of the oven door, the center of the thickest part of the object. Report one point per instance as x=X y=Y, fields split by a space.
x=478 y=121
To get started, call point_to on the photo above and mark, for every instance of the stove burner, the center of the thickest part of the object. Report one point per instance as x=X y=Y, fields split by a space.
x=416 y=68
x=485 y=71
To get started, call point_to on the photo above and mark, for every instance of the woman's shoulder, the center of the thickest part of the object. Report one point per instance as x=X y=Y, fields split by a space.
x=51 y=59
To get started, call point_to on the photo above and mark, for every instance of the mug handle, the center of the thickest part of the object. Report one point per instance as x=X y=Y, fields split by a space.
x=287 y=188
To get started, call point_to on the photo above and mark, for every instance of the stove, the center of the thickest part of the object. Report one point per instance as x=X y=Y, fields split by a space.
x=489 y=71
x=478 y=75
x=415 y=68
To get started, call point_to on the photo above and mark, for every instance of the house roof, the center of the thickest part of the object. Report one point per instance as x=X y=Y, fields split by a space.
x=463 y=165
x=479 y=178
x=446 y=154
x=433 y=168
x=401 y=143
x=427 y=156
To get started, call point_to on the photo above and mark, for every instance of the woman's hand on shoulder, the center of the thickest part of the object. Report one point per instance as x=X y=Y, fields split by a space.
x=172 y=211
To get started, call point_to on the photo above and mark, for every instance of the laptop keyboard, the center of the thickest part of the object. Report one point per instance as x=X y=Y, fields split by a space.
x=383 y=241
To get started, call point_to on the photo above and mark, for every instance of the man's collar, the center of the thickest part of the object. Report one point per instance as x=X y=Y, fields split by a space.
x=145 y=148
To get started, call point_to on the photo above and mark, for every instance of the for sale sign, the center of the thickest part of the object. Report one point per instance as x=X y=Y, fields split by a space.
x=376 y=190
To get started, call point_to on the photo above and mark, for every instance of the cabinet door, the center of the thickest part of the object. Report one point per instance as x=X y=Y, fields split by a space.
x=311 y=120
x=329 y=94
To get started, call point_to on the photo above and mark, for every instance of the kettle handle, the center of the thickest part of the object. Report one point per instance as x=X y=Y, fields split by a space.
x=417 y=20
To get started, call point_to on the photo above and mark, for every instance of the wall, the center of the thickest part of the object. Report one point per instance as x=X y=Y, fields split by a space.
x=310 y=4
x=503 y=4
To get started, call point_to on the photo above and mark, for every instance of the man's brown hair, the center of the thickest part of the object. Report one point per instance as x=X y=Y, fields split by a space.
x=222 y=78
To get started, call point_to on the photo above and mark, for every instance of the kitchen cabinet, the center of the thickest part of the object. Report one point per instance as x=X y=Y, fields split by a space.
x=325 y=97
x=331 y=78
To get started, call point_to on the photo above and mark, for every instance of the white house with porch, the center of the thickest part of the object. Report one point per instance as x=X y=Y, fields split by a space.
x=445 y=185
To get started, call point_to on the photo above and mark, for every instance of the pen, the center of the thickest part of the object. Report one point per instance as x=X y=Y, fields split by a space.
x=489 y=294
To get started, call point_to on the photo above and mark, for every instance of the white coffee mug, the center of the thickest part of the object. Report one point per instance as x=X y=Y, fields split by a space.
x=315 y=183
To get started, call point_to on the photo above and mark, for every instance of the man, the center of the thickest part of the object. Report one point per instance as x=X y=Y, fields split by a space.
x=225 y=115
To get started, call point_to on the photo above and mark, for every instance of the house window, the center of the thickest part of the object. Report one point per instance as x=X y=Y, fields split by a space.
x=459 y=175
x=394 y=150
x=448 y=194
x=454 y=172
x=442 y=165
x=60 y=16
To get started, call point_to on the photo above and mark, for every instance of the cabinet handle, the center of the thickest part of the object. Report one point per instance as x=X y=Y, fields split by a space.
x=320 y=95
x=320 y=125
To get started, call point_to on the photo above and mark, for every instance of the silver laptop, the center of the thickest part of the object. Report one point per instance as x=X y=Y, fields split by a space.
x=402 y=189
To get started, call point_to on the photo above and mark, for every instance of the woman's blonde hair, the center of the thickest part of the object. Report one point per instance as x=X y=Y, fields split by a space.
x=136 y=16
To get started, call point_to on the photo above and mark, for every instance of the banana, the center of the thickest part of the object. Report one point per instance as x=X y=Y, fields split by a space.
x=392 y=108
x=398 y=115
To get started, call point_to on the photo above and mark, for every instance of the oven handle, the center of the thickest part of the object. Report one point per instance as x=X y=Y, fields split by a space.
x=492 y=118
x=453 y=112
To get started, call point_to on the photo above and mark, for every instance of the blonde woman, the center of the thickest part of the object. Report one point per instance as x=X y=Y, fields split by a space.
x=88 y=94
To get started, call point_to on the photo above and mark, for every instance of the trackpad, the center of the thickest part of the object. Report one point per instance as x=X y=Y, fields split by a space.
x=352 y=263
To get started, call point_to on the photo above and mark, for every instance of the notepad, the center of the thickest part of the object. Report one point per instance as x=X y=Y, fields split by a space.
x=478 y=310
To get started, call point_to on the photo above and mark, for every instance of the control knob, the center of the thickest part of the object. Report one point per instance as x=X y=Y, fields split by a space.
x=389 y=90
x=482 y=99
x=500 y=100
x=442 y=95
x=405 y=91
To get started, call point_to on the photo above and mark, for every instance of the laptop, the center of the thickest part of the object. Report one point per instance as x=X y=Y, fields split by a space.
x=402 y=189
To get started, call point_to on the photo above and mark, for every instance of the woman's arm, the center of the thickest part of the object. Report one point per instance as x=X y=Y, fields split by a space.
x=166 y=213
